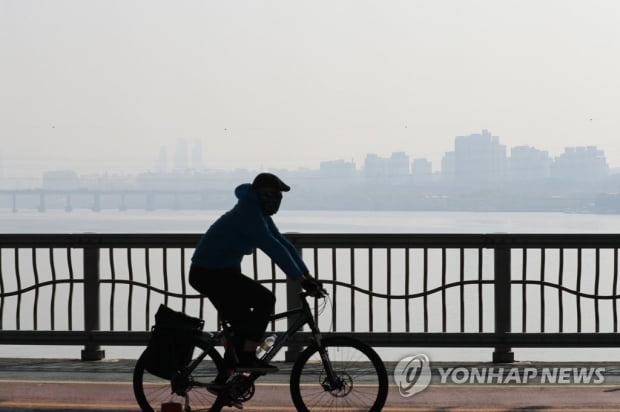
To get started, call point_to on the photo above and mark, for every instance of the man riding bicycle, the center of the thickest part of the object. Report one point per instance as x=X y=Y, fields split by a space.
x=216 y=267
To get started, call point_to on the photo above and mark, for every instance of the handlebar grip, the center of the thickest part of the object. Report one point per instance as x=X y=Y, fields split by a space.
x=322 y=293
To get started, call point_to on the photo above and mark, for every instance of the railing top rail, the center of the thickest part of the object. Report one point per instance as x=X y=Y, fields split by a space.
x=556 y=240
x=326 y=240
x=84 y=240
x=388 y=240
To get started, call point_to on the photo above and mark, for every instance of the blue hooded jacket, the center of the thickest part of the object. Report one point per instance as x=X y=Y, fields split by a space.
x=241 y=230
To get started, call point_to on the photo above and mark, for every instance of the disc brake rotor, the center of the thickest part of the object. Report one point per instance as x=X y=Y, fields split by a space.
x=343 y=385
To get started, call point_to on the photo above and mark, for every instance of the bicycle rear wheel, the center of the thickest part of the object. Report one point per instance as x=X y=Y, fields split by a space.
x=361 y=378
x=151 y=391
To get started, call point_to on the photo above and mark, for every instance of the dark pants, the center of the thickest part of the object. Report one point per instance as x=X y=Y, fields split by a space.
x=243 y=302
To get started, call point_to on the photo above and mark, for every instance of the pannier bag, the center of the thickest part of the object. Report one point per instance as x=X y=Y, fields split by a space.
x=171 y=346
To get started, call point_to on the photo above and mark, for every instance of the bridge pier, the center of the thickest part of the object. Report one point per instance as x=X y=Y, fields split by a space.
x=96 y=202
x=123 y=206
x=68 y=205
x=150 y=201
x=42 y=202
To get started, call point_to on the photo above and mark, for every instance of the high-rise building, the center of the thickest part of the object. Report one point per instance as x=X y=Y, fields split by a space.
x=162 y=160
x=529 y=163
x=479 y=158
x=1 y=167
x=398 y=167
x=394 y=169
x=374 y=166
x=197 y=162
x=336 y=173
x=448 y=166
x=337 y=168
x=180 y=161
x=581 y=164
x=421 y=170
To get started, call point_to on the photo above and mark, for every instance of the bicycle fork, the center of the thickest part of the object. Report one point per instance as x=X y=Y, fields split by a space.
x=331 y=382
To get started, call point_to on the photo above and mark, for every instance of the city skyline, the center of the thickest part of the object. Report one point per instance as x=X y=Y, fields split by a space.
x=185 y=154
x=478 y=159
x=94 y=87
x=479 y=174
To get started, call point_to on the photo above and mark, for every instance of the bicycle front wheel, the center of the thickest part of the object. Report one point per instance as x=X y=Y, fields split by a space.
x=359 y=382
x=192 y=392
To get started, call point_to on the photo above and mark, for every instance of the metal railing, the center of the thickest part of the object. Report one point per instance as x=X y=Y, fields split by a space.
x=392 y=290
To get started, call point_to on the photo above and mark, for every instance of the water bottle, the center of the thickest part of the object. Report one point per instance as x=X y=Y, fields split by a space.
x=265 y=347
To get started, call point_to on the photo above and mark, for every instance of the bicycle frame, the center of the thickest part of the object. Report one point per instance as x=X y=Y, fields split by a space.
x=304 y=317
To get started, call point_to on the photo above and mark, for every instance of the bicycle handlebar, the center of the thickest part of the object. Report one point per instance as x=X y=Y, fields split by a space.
x=322 y=294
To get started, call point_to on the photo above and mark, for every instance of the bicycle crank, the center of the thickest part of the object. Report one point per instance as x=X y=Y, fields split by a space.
x=242 y=390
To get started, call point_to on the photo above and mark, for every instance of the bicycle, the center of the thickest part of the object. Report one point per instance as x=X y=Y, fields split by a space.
x=331 y=373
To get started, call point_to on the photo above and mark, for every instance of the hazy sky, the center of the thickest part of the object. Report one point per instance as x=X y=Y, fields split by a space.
x=102 y=85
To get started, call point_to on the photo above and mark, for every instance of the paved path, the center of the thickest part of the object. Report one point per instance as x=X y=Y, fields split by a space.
x=71 y=385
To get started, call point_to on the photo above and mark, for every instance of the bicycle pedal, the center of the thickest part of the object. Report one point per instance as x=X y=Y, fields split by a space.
x=235 y=404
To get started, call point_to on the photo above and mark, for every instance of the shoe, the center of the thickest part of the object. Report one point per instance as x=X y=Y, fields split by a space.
x=249 y=363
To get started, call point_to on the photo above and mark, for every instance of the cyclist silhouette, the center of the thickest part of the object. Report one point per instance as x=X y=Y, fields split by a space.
x=216 y=267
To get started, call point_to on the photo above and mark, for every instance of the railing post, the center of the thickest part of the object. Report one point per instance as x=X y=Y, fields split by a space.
x=293 y=288
x=503 y=352
x=91 y=351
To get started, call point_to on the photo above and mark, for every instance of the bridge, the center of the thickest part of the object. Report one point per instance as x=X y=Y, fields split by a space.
x=496 y=291
x=99 y=199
